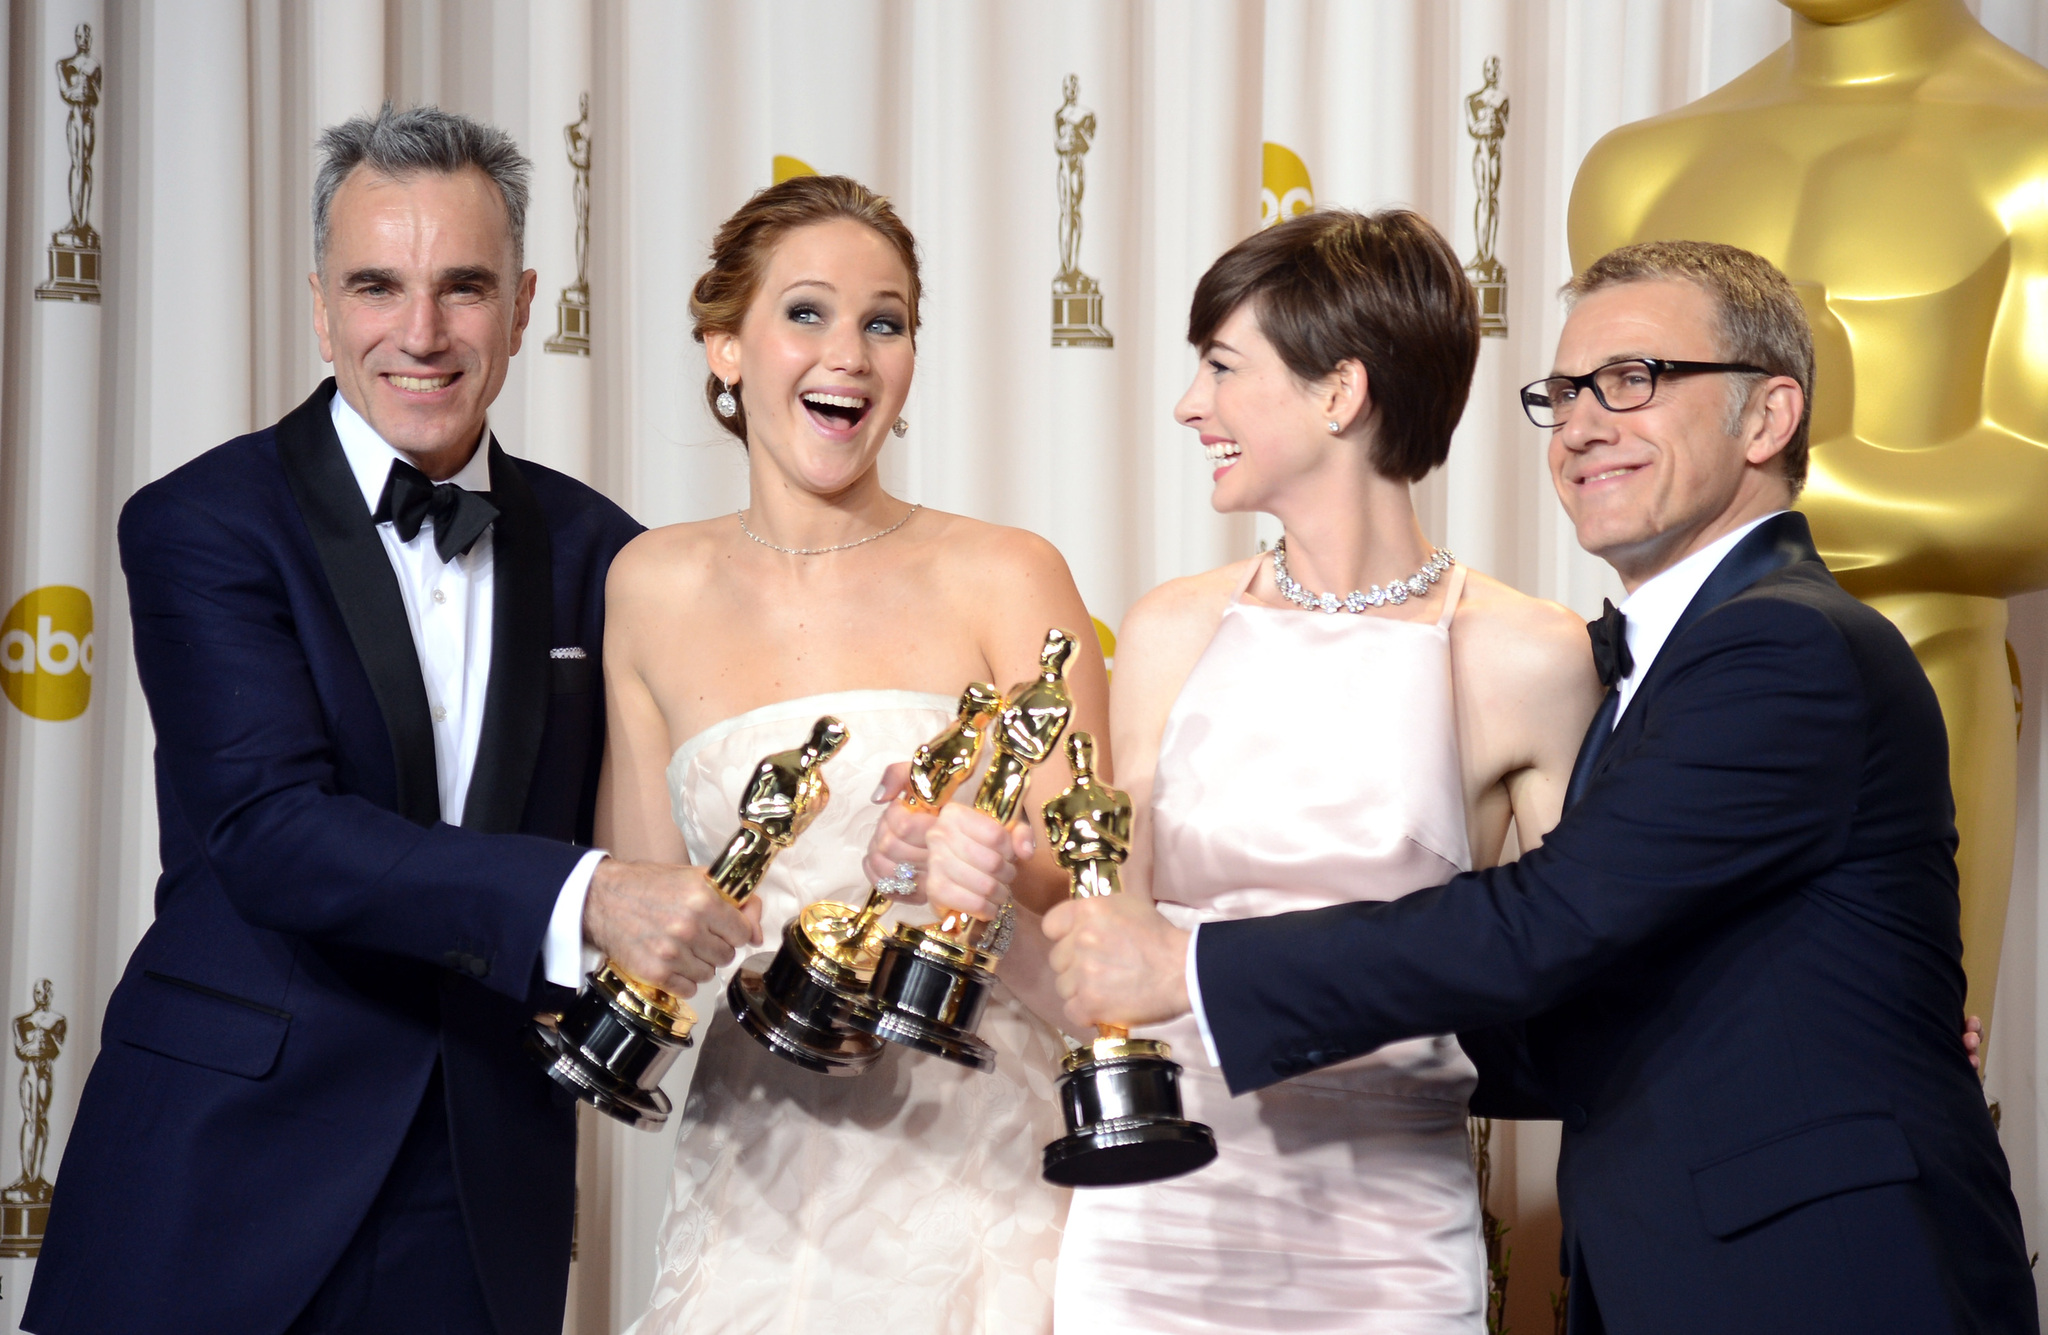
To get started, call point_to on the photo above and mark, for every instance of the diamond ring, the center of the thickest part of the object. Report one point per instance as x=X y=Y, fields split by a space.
x=900 y=881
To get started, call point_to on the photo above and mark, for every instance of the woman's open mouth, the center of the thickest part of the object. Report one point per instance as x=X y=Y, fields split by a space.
x=836 y=414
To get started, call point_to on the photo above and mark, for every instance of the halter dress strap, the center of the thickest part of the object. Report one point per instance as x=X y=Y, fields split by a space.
x=1456 y=587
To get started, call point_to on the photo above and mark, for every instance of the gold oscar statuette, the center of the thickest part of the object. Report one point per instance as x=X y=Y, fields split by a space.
x=1888 y=159
x=795 y=1004
x=614 y=1043
x=1120 y=1095
x=931 y=982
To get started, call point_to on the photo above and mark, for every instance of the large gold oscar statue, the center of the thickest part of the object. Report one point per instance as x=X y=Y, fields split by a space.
x=1892 y=159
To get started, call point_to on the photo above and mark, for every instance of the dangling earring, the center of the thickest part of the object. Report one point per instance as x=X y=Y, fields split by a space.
x=728 y=406
x=900 y=430
x=1335 y=426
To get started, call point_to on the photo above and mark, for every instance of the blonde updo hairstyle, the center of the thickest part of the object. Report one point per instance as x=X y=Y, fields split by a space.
x=747 y=240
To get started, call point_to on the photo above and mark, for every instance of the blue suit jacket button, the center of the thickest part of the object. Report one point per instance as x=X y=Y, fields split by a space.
x=1575 y=1117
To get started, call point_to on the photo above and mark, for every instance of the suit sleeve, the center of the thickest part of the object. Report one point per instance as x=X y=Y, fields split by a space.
x=243 y=742
x=1742 y=785
x=1508 y=1086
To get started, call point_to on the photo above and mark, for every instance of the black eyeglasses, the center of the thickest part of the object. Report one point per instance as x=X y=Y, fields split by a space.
x=1621 y=387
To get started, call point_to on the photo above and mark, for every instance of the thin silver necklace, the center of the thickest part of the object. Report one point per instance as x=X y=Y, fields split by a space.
x=741 y=515
x=1398 y=592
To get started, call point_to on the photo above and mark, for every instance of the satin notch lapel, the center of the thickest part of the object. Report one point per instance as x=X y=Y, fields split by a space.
x=522 y=622
x=366 y=592
x=1779 y=541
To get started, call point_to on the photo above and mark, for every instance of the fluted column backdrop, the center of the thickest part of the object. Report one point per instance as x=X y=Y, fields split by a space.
x=1207 y=117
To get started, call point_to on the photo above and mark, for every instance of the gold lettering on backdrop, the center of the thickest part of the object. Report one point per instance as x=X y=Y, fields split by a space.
x=75 y=247
x=1076 y=298
x=1913 y=224
x=25 y=1205
x=1486 y=121
x=572 y=312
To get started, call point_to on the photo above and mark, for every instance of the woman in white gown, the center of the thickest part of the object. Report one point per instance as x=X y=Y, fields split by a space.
x=1285 y=756
x=908 y=1199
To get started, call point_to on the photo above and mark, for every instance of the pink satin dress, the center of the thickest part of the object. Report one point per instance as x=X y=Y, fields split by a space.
x=1309 y=760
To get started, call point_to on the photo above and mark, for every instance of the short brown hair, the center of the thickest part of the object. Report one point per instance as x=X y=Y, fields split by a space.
x=745 y=241
x=1384 y=288
x=1759 y=318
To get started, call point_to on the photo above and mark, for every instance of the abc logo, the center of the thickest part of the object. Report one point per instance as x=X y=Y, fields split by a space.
x=46 y=653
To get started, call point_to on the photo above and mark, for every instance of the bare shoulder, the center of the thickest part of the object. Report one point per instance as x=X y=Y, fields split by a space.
x=1169 y=627
x=978 y=549
x=661 y=564
x=1502 y=636
x=1163 y=636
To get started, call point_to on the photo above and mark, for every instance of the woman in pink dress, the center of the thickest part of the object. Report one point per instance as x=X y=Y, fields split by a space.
x=1352 y=716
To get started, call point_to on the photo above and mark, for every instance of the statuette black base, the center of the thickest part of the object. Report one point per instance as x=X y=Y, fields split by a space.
x=797 y=1014
x=1122 y=1105
x=609 y=1058
x=927 y=1003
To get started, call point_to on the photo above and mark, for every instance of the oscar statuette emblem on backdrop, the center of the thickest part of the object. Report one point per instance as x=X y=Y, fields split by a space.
x=1120 y=1095
x=795 y=1005
x=932 y=982
x=572 y=309
x=25 y=1203
x=616 y=1040
x=75 y=247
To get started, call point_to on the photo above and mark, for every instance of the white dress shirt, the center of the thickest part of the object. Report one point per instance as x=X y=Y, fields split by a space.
x=449 y=606
x=1652 y=611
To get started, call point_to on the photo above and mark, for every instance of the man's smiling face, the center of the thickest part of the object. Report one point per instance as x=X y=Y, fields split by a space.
x=420 y=308
x=1645 y=488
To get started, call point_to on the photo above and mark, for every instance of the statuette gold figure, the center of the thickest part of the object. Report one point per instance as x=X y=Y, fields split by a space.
x=794 y=1005
x=1889 y=159
x=619 y=1037
x=932 y=982
x=1120 y=1095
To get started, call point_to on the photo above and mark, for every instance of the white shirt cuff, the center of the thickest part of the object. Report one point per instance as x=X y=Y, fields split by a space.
x=564 y=958
x=1195 y=1001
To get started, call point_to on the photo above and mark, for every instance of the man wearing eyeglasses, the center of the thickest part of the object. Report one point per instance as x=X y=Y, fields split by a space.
x=1734 y=968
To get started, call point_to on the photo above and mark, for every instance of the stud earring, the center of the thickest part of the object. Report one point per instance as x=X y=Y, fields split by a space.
x=900 y=430
x=1335 y=426
x=728 y=406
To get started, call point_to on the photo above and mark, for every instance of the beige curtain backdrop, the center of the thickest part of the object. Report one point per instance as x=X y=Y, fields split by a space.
x=1207 y=113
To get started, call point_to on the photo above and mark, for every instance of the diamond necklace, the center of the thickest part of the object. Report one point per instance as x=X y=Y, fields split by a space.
x=1398 y=592
x=741 y=515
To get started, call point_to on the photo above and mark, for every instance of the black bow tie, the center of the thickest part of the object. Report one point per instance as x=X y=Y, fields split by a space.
x=460 y=516
x=1610 y=644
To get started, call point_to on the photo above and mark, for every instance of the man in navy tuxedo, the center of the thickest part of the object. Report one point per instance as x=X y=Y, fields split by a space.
x=370 y=643
x=1734 y=968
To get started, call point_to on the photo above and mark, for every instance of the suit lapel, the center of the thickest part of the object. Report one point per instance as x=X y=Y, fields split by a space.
x=1778 y=542
x=366 y=591
x=522 y=620
x=1598 y=733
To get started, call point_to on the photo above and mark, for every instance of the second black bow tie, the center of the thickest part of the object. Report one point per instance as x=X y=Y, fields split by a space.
x=460 y=516
x=1611 y=657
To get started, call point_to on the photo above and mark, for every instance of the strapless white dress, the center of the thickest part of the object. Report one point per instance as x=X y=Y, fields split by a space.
x=907 y=1200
